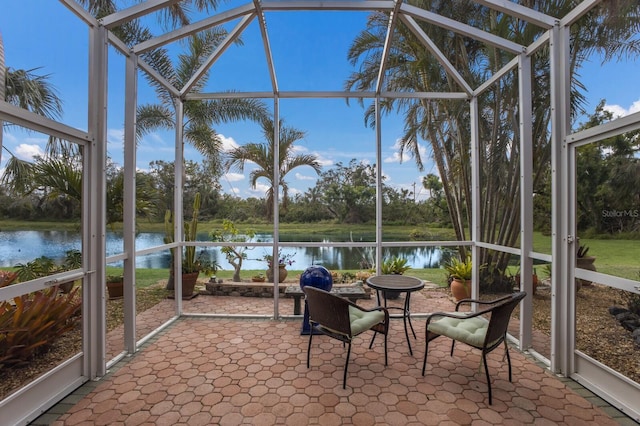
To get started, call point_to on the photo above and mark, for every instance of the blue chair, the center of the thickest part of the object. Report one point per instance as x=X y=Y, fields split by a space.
x=485 y=329
x=343 y=320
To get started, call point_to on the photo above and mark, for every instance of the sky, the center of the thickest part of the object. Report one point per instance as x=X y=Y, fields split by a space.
x=310 y=53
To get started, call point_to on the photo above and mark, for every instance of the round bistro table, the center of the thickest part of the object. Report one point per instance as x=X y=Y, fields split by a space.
x=398 y=283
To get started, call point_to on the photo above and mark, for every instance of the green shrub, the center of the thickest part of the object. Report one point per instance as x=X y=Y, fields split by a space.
x=31 y=322
x=395 y=265
x=459 y=269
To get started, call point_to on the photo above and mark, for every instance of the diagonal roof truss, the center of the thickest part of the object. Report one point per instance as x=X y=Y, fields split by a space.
x=397 y=10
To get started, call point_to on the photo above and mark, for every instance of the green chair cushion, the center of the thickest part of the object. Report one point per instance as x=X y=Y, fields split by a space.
x=471 y=331
x=362 y=321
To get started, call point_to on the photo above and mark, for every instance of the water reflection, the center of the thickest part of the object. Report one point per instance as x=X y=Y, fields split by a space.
x=24 y=246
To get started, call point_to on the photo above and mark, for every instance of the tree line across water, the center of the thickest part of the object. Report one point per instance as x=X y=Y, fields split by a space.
x=608 y=172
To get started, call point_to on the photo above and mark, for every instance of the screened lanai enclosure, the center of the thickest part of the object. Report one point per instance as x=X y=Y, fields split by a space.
x=484 y=94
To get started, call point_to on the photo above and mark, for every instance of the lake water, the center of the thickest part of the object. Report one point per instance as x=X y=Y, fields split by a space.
x=24 y=246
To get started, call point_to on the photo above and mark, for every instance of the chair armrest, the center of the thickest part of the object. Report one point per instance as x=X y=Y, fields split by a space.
x=377 y=308
x=481 y=302
x=459 y=315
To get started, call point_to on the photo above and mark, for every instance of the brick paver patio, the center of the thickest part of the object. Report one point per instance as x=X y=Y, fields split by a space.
x=238 y=371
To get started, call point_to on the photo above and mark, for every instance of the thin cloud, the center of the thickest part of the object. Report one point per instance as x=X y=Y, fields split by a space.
x=300 y=176
x=28 y=151
x=619 y=111
x=228 y=143
x=393 y=158
x=406 y=155
x=115 y=137
x=234 y=177
x=324 y=162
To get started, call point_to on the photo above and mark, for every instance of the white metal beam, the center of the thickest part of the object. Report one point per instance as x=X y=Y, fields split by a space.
x=276 y=204
x=377 y=5
x=379 y=182
x=231 y=37
x=538 y=43
x=79 y=11
x=562 y=249
x=94 y=226
x=628 y=123
x=178 y=208
x=393 y=16
x=30 y=120
x=460 y=28
x=578 y=12
x=435 y=51
x=521 y=12
x=497 y=76
x=129 y=203
x=525 y=111
x=127 y=52
x=135 y=11
x=476 y=230
x=325 y=95
x=267 y=46
x=119 y=44
x=144 y=66
x=196 y=27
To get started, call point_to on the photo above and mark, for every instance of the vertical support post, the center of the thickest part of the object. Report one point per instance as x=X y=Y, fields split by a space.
x=178 y=228
x=129 y=202
x=526 y=197
x=475 y=194
x=94 y=208
x=3 y=73
x=378 y=187
x=562 y=273
x=276 y=205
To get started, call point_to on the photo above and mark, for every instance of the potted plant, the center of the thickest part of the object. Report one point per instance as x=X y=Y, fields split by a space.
x=584 y=262
x=192 y=265
x=235 y=255
x=115 y=286
x=459 y=272
x=259 y=278
x=534 y=279
x=394 y=266
x=284 y=260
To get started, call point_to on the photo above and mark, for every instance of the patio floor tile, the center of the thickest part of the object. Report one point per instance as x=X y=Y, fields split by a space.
x=237 y=371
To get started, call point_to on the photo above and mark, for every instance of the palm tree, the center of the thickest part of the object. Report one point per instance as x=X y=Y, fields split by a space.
x=33 y=92
x=262 y=155
x=444 y=124
x=25 y=89
x=200 y=115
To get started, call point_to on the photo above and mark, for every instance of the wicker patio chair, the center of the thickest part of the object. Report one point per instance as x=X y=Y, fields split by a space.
x=341 y=319
x=485 y=329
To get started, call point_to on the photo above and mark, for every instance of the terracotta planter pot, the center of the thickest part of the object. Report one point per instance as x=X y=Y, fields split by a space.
x=115 y=289
x=66 y=287
x=585 y=262
x=460 y=289
x=282 y=272
x=188 y=284
x=534 y=280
